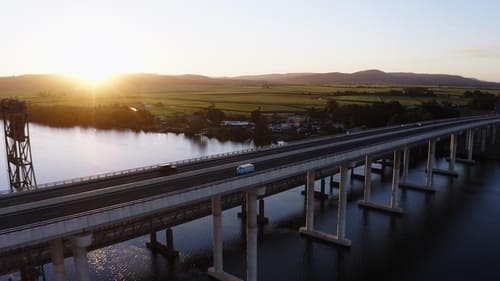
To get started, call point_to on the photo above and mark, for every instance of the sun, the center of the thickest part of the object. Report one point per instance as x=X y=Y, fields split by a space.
x=93 y=69
x=93 y=66
x=91 y=56
x=93 y=75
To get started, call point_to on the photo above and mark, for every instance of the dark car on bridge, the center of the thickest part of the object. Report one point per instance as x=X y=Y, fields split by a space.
x=168 y=169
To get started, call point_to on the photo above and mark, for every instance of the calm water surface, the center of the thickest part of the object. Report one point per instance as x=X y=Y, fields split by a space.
x=60 y=154
x=451 y=234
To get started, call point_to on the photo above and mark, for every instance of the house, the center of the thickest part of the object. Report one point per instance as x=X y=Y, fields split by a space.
x=235 y=123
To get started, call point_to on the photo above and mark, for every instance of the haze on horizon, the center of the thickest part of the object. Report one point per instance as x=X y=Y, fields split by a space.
x=229 y=38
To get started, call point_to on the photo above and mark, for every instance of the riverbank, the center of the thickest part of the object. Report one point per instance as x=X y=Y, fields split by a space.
x=260 y=127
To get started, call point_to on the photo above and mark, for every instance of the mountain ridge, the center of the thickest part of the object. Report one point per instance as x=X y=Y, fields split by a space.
x=373 y=76
x=144 y=82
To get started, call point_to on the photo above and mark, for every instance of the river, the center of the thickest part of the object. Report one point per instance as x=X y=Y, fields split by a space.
x=451 y=234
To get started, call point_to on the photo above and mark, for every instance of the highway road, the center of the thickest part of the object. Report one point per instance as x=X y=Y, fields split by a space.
x=78 y=187
x=262 y=159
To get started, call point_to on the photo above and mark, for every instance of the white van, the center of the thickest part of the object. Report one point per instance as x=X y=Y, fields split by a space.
x=245 y=169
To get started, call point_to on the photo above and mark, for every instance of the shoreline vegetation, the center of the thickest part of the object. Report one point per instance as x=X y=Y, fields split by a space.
x=327 y=114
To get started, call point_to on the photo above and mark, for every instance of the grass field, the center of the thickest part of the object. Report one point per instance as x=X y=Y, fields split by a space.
x=244 y=99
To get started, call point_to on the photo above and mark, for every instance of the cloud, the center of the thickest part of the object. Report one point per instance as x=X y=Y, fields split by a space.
x=486 y=52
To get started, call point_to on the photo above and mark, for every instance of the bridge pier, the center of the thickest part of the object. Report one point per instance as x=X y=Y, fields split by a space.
x=309 y=230
x=166 y=249
x=493 y=133
x=392 y=208
x=252 y=231
x=261 y=217
x=467 y=139
x=406 y=163
x=310 y=201
x=453 y=151
x=170 y=243
x=430 y=162
x=483 y=139
x=452 y=158
x=395 y=181
x=251 y=235
x=469 y=146
x=152 y=237
x=57 y=256
x=320 y=195
x=368 y=179
x=80 y=243
x=243 y=213
x=430 y=166
x=333 y=184
x=217 y=271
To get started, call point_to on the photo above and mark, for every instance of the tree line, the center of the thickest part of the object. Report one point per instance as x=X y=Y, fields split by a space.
x=100 y=117
x=381 y=114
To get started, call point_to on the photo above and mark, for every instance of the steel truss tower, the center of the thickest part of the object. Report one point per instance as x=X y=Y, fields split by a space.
x=17 y=145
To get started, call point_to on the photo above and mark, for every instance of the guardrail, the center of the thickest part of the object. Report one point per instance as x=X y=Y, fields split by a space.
x=143 y=169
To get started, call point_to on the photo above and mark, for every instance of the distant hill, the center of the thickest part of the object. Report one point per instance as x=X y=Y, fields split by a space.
x=32 y=84
x=372 y=77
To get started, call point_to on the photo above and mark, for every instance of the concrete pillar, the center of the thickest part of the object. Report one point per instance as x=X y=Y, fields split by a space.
x=471 y=145
x=453 y=151
x=368 y=178
x=217 y=271
x=217 y=238
x=483 y=139
x=169 y=238
x=406 y=163
x=467 y=139
x=342 y=202
x=430 y=162
x=152 y=237
x=395 y=177
x=252 y=234
x=261 y=209
x=323 y=186
x=57 y=256
x=261 y=217
x=80 y=244
x=243 y=213
x=493 y=133
x=310 y=201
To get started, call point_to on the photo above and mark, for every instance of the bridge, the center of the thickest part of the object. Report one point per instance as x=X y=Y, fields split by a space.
x=71 y=217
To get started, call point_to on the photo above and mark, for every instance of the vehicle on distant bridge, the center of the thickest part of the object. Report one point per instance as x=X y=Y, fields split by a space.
x=168 y=169
x=245 y=169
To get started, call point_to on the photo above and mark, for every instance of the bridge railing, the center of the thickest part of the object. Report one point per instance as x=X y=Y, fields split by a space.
x=143 y=169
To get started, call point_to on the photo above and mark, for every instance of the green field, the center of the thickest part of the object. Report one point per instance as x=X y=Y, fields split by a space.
x=244 y=99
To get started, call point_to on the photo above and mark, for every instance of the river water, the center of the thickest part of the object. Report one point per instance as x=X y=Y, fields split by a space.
x=451 y=234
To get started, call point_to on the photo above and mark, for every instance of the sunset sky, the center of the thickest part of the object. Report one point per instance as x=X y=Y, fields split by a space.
x=227 y=38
